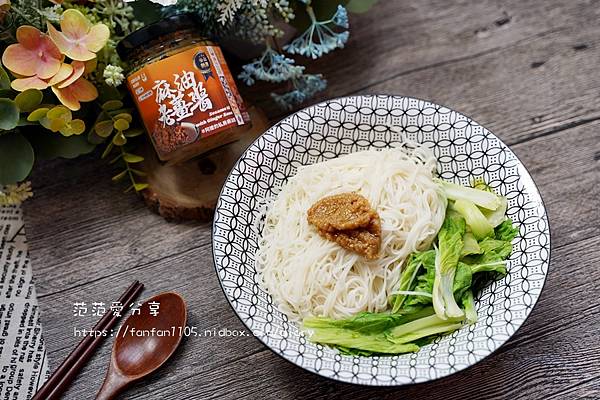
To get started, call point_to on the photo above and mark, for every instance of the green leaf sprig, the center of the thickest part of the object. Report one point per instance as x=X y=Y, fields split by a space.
x=114 y=124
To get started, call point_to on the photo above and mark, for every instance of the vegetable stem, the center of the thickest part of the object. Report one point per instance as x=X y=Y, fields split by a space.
x=423 y=327
x=481 y=198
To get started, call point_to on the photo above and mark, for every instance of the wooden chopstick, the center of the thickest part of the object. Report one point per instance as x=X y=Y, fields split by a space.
x=64 y=374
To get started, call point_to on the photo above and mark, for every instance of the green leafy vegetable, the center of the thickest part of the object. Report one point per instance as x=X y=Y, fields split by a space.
x=493 y=250
x=424 y=282
x=450 y=246
x=506 y=231
x=497 y=216
x=462 y=280
x=481 y=198
x=367 y=323
x=470 y=245
x=475 y=219
x=498 y=266
x=468 y=303
x=423 y=327
x=479 y=184
x=408 y=277
x=350 y=339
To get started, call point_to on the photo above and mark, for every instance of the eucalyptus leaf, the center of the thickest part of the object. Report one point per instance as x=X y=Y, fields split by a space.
x=360 y=6
x=111 y=105
x=119 y=176
x=133 y=132
x=29 y=99
x=53 y=125
x=138 y=172
x=117 y=158
x=9 y=114
x=121 y=124
x=38 y=114
x=107 y=150
x=124 y=115
x=106 y=93
x=93 y=137
x=60 y=112
x=104 y=128
x=50 y=145
x=16 y=158
x=119 y=139
x=75 y=127
x=132 y=158
x=24 y=122
x=116 y=113
x=4 y=79
x=140 y=186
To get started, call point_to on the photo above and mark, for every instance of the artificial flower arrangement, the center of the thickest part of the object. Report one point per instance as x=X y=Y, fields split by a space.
x=62 y=88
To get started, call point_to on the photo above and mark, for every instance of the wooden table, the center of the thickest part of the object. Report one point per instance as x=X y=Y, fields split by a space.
x=527 y=70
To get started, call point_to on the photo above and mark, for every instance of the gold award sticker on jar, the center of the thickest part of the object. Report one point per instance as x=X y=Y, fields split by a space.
x=186 y=96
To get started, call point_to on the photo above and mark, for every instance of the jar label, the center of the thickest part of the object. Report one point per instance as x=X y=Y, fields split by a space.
x=186 y=97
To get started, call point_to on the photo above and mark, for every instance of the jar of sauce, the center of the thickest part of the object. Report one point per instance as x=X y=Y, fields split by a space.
x=182 y=88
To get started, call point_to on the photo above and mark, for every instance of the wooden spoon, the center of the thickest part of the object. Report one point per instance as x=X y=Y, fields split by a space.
x=144 y=343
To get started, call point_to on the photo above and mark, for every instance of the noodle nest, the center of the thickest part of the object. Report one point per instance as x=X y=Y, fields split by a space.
x=309 y=275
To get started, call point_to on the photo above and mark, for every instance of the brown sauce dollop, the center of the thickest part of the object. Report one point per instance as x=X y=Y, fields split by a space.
x=348 y=220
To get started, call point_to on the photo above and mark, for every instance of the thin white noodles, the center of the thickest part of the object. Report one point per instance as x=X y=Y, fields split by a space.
x=308 y=275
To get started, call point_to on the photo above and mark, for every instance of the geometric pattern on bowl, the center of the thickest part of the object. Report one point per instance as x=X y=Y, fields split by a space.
x=464 y=150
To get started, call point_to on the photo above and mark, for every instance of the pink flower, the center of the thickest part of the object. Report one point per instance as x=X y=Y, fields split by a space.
x=34 y=59
x=67 y=74
x=79 y=39
x=79 y=91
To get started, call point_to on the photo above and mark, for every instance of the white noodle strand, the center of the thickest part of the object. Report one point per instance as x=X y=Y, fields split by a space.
x=308 y=275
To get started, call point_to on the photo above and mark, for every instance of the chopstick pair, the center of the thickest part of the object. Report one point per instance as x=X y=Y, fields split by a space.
x=61 y=378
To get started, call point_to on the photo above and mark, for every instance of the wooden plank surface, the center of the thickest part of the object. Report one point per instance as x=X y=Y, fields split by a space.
x=526 y=70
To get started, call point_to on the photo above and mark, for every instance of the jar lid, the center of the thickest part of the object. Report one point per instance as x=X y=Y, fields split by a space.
x=149 y=32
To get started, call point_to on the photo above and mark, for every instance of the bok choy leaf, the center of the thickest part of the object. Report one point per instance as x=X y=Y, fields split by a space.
x=423 y=327
x=476 y=221
x=446 y=259
x=481 y=198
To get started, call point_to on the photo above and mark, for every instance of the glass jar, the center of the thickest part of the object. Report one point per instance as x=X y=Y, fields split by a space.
x=182 y=88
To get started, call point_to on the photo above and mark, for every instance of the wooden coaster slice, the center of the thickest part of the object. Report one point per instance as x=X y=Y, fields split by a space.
x=189 y=191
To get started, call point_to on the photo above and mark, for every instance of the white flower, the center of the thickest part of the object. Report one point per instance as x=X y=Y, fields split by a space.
x=113 y=75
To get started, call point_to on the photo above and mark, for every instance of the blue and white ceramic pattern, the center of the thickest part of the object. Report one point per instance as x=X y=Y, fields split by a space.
x=464 y=149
